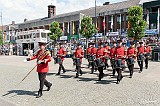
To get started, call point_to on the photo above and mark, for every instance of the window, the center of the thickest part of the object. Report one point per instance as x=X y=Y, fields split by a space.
x=38 y=36
x=43 y=35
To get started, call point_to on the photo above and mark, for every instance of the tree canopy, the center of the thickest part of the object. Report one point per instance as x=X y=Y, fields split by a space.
x=137 y=26
x=56 y=31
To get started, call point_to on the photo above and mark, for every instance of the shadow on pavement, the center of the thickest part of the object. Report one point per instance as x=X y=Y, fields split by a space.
x=49 y=74
x=106 y=81
x=21 y=92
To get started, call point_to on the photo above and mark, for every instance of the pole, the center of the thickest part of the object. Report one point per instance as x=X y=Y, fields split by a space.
x=95 y=22
x=2 y=28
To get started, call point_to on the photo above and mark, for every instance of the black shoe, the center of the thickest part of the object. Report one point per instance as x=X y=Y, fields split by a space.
x=99 y=79
x=76 y=77
x=49 y=87
x=121 y=77
x=58 y=74
x=39 y=94
x=64 y=71
x=130 y=77
x=118 y=82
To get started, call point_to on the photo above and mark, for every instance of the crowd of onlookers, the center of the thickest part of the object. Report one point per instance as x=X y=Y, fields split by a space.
x=9 y=49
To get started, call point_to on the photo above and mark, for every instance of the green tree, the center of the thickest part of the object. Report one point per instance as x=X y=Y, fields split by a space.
x=56 y=32
x=87 y=28
x=137 y=26
x=1 y=38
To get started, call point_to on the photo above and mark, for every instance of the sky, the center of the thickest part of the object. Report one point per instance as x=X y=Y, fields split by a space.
x=18 y=10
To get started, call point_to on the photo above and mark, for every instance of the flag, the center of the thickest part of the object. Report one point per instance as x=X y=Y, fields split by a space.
x=63 y=29
x=68 y=28
x=104 y=23
x=79 y=24
x=112 y=22
x=73 y=28
x=147 y=19
x=120 y=19
x=158 y=20
x=129 y=25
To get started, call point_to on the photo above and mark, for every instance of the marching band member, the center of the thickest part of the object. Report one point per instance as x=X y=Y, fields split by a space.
x=99 y=61
x=148 y=51
x=93 y=54
x=61 y=54
x=119 y=56
x=107 y=51
x=79 y=54
x=43 y=57
x=112 y=57
x=131 y=55
x=140 y=55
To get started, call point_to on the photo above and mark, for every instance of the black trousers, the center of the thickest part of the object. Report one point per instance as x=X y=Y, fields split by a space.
x=140 y=63
x=93 y=67
x=79 y=71
x=61 y=67
x=131 y=68
x=101 y=74
x=113 y=66
x=106 y=64
x=146 y=62
x=43 y=81
x=119 y=71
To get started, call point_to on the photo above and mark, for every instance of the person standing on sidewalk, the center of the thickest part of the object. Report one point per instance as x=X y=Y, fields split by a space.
x=43 y=58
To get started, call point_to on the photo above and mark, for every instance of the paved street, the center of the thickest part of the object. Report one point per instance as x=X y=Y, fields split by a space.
x=142 y=90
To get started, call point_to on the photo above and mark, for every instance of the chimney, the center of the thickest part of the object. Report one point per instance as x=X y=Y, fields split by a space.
x=51 y=11
x=106 y=3
x=13 y=22
x=25 y=20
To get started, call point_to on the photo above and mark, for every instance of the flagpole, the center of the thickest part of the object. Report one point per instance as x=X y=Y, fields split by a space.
x=2 y=29
x=120 y=25
x=104 y=25
x=95 y=21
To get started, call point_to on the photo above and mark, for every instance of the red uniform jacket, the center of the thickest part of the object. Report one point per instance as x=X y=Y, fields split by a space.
x=61 y=52
x=131 y=52
x=148 y=49
x=89 y=50
x=107 y=51
x=94 y=51
x=119 y=52
x=140 y=49
x=112 y=52
x=42 y=68
x=100 y=53
x=79 y=54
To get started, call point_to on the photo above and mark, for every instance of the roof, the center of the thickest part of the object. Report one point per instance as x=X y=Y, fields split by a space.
x=91 y=11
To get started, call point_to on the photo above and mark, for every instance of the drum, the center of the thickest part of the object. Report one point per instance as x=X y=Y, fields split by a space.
x=130 y=61
x=57 y=60
x=140 y=57
x=147 y=55
x=76 y=61
x=119 y=64
x=91 y=58
x=99 y=63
